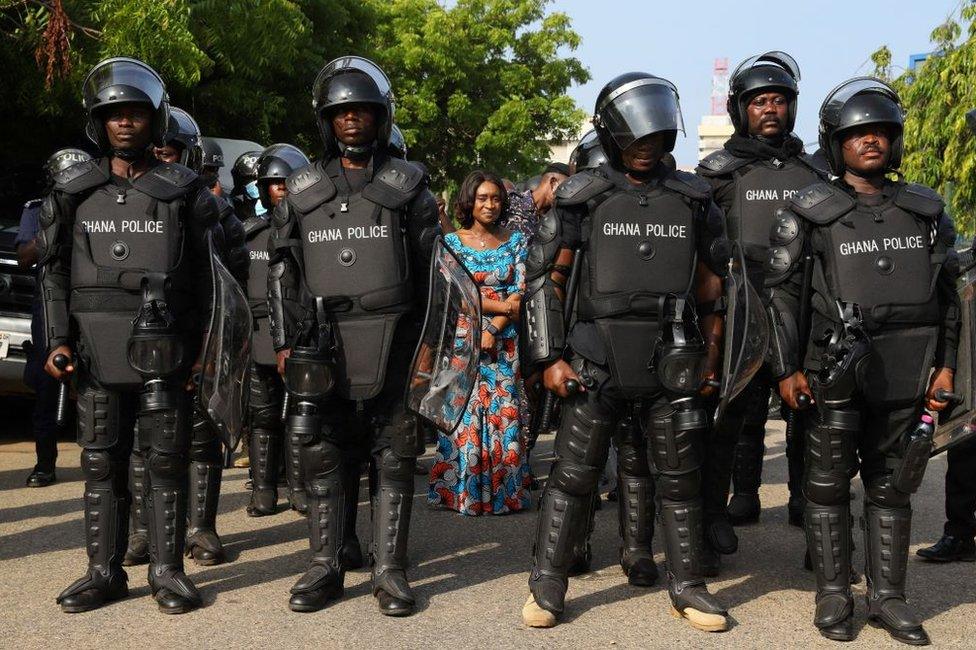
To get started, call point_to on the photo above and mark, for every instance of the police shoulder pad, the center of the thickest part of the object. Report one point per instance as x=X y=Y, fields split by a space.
x=254 y=225
x=166 y=182
x=822 y=203
x=720 y=162
x=80 y=177
x=396 y=183
x=816 y=163
x=581 y=187
x=920 y=200
x=309 y=187
x=692 y=186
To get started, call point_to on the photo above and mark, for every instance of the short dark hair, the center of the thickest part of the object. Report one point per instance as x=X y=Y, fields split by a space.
x=464 y=208
x=557 y=168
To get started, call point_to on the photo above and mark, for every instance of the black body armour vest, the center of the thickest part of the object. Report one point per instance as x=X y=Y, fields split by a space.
x=118 y=236
x=354 y=251
x=885 y=259
x=641 y=246
x=258 y=231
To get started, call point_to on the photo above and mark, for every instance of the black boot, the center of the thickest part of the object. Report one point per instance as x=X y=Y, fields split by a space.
x=950 y=549
x=391 y=527
x=351 y=553
x=106 y=531
x=202 y=542
x=561 y=517
x=293 y=474
x=172 y=589
x=684 y=539
x=263 y=454
x=828 y=532
x=744 y=506
x=886 y=539
x=323 y=581
x=138 y=551
x=636 y=518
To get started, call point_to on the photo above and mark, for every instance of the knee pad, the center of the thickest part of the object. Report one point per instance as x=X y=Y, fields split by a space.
x=406 y=440
x=319 y=460
x=880 y=491
x=830 y=441
x=826 y=488
x=99 y=417
x=96 y=464
x=324 y=488
x=165 y=431
x=266 y=417
x=632 y=458
x=574 y=479
x=394 y=468
x=679 y=487
x=674 y=442
x=167 y=466
x=585 y=431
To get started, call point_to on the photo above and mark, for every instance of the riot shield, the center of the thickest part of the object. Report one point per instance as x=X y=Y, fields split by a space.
x=746 y=332
x=445 y=365
x=957 y=423
x=222 y=390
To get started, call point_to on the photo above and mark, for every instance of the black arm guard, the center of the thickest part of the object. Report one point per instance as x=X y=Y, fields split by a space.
x=949 y=303
x=202 y=218
x=543 y=329
x=283 y=278
x=422 y=231
x=54 y=270
x=784 y=277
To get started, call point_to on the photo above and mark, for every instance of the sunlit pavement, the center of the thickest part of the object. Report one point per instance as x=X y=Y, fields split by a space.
x=469 y=575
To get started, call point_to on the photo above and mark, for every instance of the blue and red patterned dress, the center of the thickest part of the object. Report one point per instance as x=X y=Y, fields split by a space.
x=482 y=467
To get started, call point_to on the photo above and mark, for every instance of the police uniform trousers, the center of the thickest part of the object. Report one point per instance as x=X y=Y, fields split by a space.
x=46 y=390
x=960 y=491
x=841 y=440
x=348 y=433
x=673 y=441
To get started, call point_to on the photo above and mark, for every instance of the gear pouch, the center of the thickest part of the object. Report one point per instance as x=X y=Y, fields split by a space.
x=898 y=369
x=105 y=337
x=630 y=349
x=364 y=348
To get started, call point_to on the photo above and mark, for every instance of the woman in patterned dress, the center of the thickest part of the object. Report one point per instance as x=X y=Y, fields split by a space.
x=482 y=468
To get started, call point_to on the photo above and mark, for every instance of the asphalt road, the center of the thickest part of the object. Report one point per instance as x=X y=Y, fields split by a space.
x=469 y=574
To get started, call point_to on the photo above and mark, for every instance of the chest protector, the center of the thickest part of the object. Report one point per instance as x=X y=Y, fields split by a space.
x=760 y=190
x=119 y=235
x=884 y=259
x=258 y=231
x=354 y=251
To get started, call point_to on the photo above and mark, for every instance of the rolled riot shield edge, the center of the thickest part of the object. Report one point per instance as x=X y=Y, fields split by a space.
x=746 y=333
x=222 y=389
x=957 y=424
x=417 y=401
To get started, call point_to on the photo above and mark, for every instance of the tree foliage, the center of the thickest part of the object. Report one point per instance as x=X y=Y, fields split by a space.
x=940 y=151
x=481 y=82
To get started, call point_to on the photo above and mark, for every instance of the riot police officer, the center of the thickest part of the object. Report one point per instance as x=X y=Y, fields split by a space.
x=347 y=282
x=653 y=251
x=885 y=314
x=269 y=446
x=125 y=236
x=759 y=168
x=244 y=196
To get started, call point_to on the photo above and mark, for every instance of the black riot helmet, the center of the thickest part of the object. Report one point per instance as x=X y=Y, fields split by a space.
x=245 y=169
x=857 y=101
x=352 y=80
x=277 y=163
x=121 y=80
x=635 y=105
x=184 y=132
x=770 y=71
x=398 y=145
x=588 y=154
x=62 y=159
x=213 y=155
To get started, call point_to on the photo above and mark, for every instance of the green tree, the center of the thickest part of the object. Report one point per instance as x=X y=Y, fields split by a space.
x=940 y=151
x=481 y=83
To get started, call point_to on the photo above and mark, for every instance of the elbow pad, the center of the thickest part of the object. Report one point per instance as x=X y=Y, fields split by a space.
x=276 y=306
x=543 y=329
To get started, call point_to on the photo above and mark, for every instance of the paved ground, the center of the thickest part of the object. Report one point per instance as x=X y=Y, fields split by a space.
x=469 y=575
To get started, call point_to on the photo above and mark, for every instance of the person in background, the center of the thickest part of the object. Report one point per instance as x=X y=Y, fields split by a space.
x=482 y=468
x=525 y=208
x=45 y=387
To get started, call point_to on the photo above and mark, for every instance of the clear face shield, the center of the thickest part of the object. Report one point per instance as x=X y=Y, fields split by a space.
x=640 y=108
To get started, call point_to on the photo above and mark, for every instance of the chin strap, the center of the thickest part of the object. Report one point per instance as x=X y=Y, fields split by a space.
x=357 y=152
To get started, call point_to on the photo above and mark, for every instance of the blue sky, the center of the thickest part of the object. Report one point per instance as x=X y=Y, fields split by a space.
x=831 y=40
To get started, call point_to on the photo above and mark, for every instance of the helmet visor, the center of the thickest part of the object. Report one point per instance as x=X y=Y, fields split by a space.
x=775 y=57
x=641 y=108
x=125 y=80
x=347 y=64
x=832 y=109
